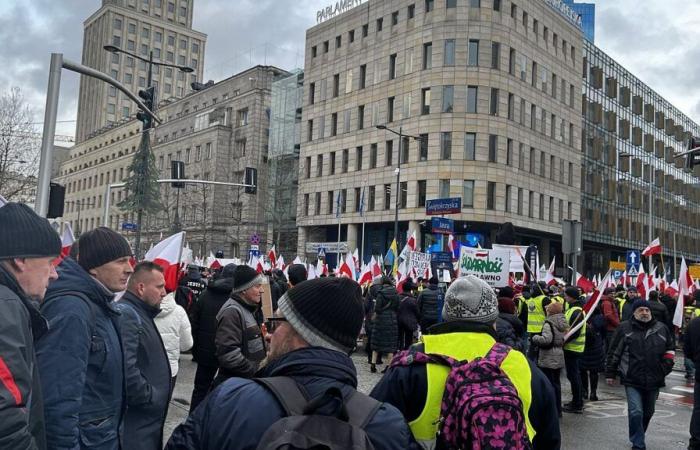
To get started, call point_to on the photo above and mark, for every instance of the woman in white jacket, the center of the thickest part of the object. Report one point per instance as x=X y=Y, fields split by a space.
x=176 y=332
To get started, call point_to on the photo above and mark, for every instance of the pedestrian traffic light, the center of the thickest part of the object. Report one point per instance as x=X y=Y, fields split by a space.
x=148 y=96
x=692 y=159
x=57 y=195
x=251 y=179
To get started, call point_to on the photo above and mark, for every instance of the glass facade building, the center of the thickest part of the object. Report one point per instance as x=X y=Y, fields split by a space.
x=630 y=139
x=587 y=13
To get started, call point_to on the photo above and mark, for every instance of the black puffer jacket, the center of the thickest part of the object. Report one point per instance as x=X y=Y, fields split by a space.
x=408 y=312
x=428 y=306
x=593 y=358
x=203 y=318
x=385 y=326
x=508 y=331
x=660 y=313
x=642 y=353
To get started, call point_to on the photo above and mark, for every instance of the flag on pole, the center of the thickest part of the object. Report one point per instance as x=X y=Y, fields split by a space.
x=454 y=246
x=409 y=247
x=365 y=275
x=642 y=281
x=67 y=240
x=375 y=267
x=279 y=264
x=654 y=248
x=297 y=260
x=167 y=254
x=345 y=268
x=311 y=272
x=549 y=277
x=685 y=281
x=337 y=205
x=272 y=255
x=584 y=283
x=590 y=304
x=362 y=203
x=391 y=257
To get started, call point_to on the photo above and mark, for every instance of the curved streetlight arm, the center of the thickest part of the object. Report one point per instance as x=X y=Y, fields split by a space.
x=398 y=133
x=115 y=49
x=75 y=67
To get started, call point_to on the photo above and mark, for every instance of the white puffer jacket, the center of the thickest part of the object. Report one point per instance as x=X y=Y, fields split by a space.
x=175 y=329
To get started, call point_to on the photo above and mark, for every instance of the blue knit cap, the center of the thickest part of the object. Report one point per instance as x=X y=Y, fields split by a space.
x=640 y=303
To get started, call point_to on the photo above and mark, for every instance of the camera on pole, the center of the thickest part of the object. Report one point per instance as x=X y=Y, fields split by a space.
x=148 y=95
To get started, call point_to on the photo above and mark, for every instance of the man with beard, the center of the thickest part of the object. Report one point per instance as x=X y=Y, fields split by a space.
x=642 y=353
x=314 y=329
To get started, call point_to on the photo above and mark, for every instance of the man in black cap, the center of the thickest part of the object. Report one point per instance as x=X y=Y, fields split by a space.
x=297 y=273
x=80 y=359
x=28 y=245
x=203 y=319
x=313 y=331
x=240 y=345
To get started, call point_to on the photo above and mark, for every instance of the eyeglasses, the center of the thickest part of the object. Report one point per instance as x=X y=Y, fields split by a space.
x=272 y=323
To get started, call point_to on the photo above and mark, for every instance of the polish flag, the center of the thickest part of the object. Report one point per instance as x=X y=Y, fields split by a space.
x=672 y=289
x=256 y=264
x=549 y=277
x=345 y=268
x=356 y=259
x=453 y=245
x=409 y=247
x=374 y=267
x=642 y=281
x=167 y=254
x=584 y=283
x=321 y=268
x=67 y=240
x=365 y=275
x=591 y=303
x=272 y=255
x=279 y=263
x=654 y=248
x=685 y=281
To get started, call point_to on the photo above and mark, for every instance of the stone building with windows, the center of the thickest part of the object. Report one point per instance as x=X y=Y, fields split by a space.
x=489 y=92
x=139 y=27
x=631 y=139
x=216 y=132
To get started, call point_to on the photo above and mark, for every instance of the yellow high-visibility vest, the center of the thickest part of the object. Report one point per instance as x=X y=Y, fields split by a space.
x=535 y=314
x=578 y=345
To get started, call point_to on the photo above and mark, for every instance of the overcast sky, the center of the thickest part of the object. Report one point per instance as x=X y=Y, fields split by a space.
x=657 y=40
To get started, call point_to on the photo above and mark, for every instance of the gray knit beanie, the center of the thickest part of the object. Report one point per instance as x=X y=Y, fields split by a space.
x=470 y=298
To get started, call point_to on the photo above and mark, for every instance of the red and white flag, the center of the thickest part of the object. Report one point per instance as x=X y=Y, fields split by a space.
x=311 y=272
x=672 y=289
x=409 y=247
x=356 y=260
x=375 y=267
x=67 y=240
x=642 y=283
x=321 y=268
x=584 y=283
x=591 y=304
x=272 y=255
x=346 y=267
x=279 y=263
x=685 y=282
x=365 y=275
x=167 y=254
x=654 y=248
x=549 y=277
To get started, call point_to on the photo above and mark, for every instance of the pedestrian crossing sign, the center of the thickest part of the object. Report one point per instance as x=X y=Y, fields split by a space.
x=632 y=271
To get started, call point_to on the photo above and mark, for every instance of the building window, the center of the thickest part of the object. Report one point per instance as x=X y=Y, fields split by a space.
x=389 y=153
x=475 y=3
x=358 y=200
x=493 y=110
x=392 y=66
x=329 y=205
x=511 y=106
x=411 y=11
x=425 y=101
x=405 y=149
x=371 y=195
x=509 y=193
x=403 y=194
x=423 y=147
x=345 y=161
x=429 y=5
x=312 y=93
x=496 y=5
x=473 y=53
x=420 y=199
x=495 y=55
x=394 y=18
x=351 y=36
x=358 y=158
x=541 y=206
x=447 y=99
x=360 y=118
x=365 y=30
x=319 y=165
x=363 y=76
x=334 y=124
x=491 y=195
x=331 y=161
x=520 y=201
x=336 y=85
x=390 y=109
x=472 y=93
x=338 y=41
x=445 y=145
x=571 y=177
x=427 y=55
x=373 y=156
x=242 y=117
x=443 y=188
x=449 y=57
x=532 y=160
x=469 y=146
x=450 y=3
x=493 y=148
x=543 y=163
x=387 y=196
x=468 y=194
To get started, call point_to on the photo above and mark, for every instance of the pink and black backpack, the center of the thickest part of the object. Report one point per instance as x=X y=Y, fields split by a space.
x=480 y=409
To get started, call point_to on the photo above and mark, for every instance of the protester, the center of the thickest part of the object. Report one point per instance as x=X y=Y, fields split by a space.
x=659 y=310
x=509 y=329
x=550 y=343
x=611 y=316
x=691 y=352
x=642 y=353
x=240 y=345
x=81 y=363
x=28 y=245
x=297 y=273
x=467 y=333
x=690 y=312
x=573 y=349
x=408 y=315
x=626 y=303
x=385 y=327
x=593 y=359
x=189 y=288
x=428 y=304
x=176 y=332
x=278 y=286
x=148 y=377
x=310 y=337
x=536 y=314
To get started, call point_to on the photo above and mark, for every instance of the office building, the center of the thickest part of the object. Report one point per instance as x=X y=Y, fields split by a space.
x=587 y=13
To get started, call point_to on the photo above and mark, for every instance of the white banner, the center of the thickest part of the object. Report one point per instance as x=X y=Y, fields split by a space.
x=418 y=261
x=516 y=262
x=491 y=265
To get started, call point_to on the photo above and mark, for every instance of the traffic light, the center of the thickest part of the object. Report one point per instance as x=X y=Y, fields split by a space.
x=177 y=172
x=148 y=95
x=57 y=194
x=692 y=159
x=251 y=178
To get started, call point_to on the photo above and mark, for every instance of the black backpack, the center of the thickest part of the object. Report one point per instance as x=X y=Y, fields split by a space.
x=303 y=428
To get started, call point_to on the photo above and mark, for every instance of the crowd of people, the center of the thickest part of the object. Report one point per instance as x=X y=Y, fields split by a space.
x=90 y=344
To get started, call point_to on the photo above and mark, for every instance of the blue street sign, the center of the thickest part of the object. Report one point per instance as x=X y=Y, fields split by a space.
x=441 y=257
x=127 y=226
x=439 y=206
x=441 y=225
x=321 y=252
x=616 y=274
x=634 y=258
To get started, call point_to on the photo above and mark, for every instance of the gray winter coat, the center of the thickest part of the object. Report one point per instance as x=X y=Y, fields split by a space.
x=553 y=331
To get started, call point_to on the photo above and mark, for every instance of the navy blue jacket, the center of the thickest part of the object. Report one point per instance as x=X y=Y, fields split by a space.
x=406 y=386
x=80 y=363
x=237 y=413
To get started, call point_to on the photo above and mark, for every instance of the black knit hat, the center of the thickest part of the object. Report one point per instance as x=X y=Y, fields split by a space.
x=24 y=234
x=245 y=277
x=100 y=246
x=326 y=312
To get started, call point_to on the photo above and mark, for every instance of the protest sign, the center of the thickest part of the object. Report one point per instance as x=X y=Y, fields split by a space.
x=490 y=265
x=418 y=261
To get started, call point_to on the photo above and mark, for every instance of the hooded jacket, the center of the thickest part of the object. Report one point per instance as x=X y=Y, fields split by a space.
x=508 y=331
x=553 y=331
x=203 y=317
x=428 y=306
x=642 y=353
x=220 y=423
x=21 y=408
x=82 y=356
x=175 y=330
x=147 y=374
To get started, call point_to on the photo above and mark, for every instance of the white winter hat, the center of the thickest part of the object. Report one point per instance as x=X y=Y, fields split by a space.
x=470 y=298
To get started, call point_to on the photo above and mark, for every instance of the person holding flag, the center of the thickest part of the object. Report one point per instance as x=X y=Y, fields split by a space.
x=574 y=345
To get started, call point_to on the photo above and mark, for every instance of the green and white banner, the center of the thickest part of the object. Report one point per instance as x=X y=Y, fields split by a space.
x=492 y=266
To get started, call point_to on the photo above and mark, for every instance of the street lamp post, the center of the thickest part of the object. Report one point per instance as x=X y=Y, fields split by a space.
x=141 y=166
x=397 y=171
x=650 y=220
